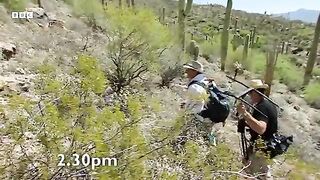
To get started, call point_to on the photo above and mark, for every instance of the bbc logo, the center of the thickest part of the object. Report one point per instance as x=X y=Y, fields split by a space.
x=22 y=15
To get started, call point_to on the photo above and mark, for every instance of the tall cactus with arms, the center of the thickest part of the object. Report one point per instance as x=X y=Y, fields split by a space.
x=183 y=11
x=313 y=54
x=225 y=35
x=245 y=49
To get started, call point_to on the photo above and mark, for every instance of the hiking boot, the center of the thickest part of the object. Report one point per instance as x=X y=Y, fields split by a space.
x=212 y=139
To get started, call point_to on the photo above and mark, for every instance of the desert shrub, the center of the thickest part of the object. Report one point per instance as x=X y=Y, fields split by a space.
x=3 y=15
x=69 y=120
x=143 y=21
x=210 y=49
x=257 y=61
x=15 y=5
x=285 y=71
x=316 y=71
x=234 y=56
x=170 y=65
x=312 y=94
x=288 y=73
x=137 y=41
x=298 y=167
x=93 y=10
x=194 y=158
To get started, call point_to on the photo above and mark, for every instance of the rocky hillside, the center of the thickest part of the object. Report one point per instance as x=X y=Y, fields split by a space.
x=60 y=95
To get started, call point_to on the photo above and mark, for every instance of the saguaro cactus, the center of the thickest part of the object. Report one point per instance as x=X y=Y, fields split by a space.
x=120 y=3
x=39 y=4
x=235 y=25
x=253 y=35
x=282 y=47
x=162 y=15
x=183 y=11
x=225 y=35
x=236 y=41
x=257 y=39
x=313 y=54
x=272 y=57
x=288 y=47
x=193 y=50
x=245 y=48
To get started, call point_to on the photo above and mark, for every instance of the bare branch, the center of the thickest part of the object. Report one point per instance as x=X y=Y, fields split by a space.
x=239 y=173
x=161 y=52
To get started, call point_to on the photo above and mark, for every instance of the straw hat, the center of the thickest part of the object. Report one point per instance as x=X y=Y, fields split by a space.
x=258 y=84
x=195 y=65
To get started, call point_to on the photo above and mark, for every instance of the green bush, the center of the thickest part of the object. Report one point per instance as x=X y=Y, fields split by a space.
x=316 y=71
x=288 y=73
x=92 y=9
x=210 y=49
x=257 y=62
x=138 y=40
x=234 y=56
x=70 y=119
x=299 y=168
x=285 y=71
x=170 y=65
x=312 y=94
x=15 y=5
x=142 y=21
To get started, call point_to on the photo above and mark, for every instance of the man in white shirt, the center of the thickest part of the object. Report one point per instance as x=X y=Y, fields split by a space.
x=197 y=95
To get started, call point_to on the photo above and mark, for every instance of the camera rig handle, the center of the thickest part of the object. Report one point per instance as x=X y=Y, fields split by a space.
x=251 y=89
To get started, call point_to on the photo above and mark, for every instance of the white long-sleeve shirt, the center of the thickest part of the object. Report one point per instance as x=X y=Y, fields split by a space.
x=197 y=95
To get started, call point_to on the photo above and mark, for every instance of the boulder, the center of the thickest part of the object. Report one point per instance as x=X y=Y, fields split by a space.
x=297 y=50
x=296 y=107
x=20 y=71
x=37 y=12
x=2 y=85
x=8 y=50
x=25 y=88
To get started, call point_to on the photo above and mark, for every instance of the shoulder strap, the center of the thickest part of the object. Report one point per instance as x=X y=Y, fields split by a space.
x=198 y=83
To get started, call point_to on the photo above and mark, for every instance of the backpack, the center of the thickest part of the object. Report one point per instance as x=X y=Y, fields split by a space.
x=217 y=108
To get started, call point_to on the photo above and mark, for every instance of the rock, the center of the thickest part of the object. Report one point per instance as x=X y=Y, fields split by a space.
x=8 y=50
x=296 y=108
x=297 y=50
x=289 y=100
x=25 y=88
x=20 y=71
x=2 y=85
x=57 y=23
x=37 y=12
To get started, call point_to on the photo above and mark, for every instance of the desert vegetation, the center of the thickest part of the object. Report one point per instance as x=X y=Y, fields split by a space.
x=108 y=84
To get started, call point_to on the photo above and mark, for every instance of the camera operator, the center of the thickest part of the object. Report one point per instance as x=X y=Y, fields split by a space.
x=259 y=125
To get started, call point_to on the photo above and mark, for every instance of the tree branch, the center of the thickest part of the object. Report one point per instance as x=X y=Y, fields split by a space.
x=239 y=173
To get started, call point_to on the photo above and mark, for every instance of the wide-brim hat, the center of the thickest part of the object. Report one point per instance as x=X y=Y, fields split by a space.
x=258 y=84
x=195 y=65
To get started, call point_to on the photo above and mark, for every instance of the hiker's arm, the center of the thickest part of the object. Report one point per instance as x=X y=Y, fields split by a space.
x=258 y=126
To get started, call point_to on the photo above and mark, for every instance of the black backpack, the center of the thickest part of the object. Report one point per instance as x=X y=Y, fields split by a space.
x=217 y=108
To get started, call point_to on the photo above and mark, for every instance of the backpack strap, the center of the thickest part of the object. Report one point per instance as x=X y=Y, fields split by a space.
x=198 y=83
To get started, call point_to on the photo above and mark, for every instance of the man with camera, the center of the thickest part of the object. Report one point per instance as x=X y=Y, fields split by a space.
x=262 y=123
